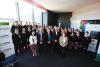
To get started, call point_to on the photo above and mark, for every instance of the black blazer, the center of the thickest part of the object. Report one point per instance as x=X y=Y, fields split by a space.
x=24 y=38
x=77 y=39
x=38 y=38
x=44 y=37
x=86 y=40
x=56 y=37
x=16 y=40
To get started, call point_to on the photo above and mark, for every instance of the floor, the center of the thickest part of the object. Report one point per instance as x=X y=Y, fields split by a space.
x=73 y=59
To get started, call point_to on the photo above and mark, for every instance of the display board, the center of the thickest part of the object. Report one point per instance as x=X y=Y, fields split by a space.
x=6 y=44
x=92 y=27
x=92 y=46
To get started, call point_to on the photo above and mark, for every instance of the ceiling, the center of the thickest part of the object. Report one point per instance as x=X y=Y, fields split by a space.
x=63 y=5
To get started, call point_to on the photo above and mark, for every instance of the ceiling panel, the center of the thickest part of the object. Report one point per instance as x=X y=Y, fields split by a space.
x=64 y=5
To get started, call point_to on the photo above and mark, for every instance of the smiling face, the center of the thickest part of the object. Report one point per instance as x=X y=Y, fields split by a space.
x=23 y=30
x=29 y=29
x=63 y=34
x=33 y=33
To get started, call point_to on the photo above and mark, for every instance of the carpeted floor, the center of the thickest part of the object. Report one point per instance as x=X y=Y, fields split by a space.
x=72 y=59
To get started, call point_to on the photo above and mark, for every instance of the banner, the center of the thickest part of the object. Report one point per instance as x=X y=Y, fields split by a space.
x=92 y=27
x=6 y=44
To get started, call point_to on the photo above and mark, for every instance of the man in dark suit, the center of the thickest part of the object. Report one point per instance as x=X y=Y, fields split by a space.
x=49 y=41
x=55 y=39
x=38 y=41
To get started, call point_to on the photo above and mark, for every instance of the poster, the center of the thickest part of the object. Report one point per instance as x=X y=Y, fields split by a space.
x=6 y=44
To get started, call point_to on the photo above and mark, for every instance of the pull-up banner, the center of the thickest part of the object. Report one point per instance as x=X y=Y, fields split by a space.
x=6 y=44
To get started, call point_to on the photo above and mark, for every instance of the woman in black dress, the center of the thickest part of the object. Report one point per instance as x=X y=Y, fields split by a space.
x=24 y=39
x=16 y=38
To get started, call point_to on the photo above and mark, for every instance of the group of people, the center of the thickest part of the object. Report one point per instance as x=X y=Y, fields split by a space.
x=53 y=39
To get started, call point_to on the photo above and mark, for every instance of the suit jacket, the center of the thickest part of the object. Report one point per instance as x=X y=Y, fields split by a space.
x=55 y=36
x=16 y=40
x=38 y=38
x=28 y=33
x=24 y=38
x=20 y=29
x=86 y=40
x=44 y=37
x=77 y=39
x=49 y=37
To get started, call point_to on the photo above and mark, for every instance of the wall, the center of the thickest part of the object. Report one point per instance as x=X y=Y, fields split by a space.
x=75 y=24
x=45 y=18
x=52 y=17
x=8 y=9
x=91 y=12
x=56 y=18
x=37 y=15
x=25 y=11
x=64 y=19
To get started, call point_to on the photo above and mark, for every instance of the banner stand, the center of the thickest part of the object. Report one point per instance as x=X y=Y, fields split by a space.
x=6 y=44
